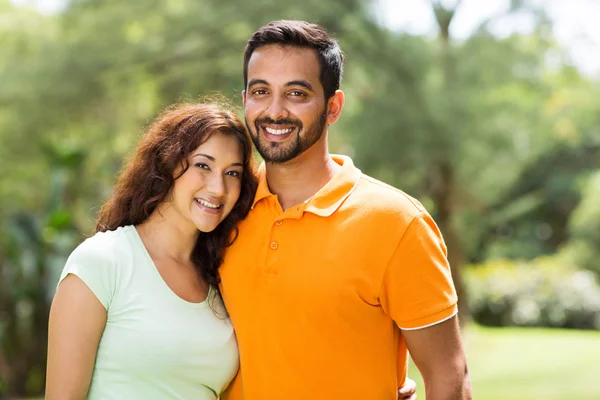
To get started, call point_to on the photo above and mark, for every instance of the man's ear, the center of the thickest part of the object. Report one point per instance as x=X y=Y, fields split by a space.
x=334 y=108
x=244 y=98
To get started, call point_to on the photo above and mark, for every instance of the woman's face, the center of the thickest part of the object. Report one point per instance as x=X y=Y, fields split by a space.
x=207 y=192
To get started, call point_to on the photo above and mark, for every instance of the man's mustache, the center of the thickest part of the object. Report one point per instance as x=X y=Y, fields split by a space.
x=281 y=121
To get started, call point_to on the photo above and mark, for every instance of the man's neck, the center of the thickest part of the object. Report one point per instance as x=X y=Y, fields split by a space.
x=297 y=180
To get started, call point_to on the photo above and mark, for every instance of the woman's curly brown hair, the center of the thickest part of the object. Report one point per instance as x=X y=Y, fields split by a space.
x=149 y=176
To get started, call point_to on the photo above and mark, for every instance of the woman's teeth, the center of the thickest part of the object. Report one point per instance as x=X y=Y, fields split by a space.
x=207 y=204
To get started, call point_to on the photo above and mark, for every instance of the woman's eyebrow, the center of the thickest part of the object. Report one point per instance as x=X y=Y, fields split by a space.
x=211 y=158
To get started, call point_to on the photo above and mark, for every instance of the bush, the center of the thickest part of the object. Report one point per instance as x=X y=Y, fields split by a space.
x=541 y=292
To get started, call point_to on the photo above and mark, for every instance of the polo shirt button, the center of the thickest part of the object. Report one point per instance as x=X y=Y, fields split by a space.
x=279 y=222
x=274 y=245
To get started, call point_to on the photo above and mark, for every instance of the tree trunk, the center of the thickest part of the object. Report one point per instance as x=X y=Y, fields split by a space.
x=444 y=190
x=443 y=197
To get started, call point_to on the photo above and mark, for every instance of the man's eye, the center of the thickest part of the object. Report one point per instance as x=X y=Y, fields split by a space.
x=260 y=92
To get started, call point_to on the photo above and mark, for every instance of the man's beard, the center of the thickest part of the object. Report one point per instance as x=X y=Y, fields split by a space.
x=278 y=153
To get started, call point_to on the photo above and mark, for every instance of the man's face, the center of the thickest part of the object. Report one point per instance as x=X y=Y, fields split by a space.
x=284 y=104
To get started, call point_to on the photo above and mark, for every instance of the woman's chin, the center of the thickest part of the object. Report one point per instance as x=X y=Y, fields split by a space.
x=204 y=227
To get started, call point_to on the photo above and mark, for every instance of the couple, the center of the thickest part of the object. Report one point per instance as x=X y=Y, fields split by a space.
x=327 y=275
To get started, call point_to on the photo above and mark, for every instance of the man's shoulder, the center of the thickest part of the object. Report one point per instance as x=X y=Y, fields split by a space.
x=384 y=197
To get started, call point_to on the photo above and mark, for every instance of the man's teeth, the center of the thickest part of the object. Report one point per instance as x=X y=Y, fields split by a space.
x=279 y=131
x=207 y=204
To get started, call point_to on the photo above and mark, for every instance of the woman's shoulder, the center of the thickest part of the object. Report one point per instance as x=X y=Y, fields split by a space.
x=104 y=247
x=98 y=262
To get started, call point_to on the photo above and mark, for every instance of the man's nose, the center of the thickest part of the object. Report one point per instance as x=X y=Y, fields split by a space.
x=277 y=109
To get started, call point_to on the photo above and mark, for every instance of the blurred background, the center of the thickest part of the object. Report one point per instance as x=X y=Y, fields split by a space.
x=487 y=111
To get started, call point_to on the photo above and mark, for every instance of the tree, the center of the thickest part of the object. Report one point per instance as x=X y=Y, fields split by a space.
x=451 y=123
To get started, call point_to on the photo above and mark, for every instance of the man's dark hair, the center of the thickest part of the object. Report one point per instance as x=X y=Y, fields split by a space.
x=302 y=34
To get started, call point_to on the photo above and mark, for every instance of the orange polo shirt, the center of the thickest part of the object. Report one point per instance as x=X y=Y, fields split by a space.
x=319 y=294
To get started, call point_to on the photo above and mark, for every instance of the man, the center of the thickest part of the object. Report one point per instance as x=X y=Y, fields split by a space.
x=334 y=275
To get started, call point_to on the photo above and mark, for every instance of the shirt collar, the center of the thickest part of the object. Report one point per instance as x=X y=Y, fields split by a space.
x=262 y=191
x=327 y=200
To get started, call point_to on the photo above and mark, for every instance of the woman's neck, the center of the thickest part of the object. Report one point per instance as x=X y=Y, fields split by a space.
x=168 y=235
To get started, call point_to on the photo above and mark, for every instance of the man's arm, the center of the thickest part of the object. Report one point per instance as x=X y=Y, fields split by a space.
x=438 y=354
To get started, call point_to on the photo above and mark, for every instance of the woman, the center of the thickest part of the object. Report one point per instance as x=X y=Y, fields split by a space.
x=137 y=314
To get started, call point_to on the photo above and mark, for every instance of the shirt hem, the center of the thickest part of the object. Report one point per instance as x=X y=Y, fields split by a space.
x=431 y=321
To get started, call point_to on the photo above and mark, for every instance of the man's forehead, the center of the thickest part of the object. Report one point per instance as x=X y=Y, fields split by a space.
x=285 y=50
x=272 y=62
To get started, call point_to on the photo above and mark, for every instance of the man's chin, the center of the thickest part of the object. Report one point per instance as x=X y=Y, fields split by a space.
x=273 y=152
x=277 y=158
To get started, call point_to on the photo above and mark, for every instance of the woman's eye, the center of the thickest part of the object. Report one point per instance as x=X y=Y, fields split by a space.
x=201 y=165
x=235 y=174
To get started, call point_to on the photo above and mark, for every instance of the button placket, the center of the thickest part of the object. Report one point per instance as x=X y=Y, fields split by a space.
x=274 y=245
x=272 y=252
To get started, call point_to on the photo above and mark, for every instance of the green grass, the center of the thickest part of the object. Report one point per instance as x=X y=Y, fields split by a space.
x=528 y=364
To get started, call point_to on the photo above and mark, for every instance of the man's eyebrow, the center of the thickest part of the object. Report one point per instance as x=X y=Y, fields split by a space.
x=257 y=82
x=302 y=83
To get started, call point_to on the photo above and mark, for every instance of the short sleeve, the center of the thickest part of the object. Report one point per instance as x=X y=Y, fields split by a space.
x=417 y=289
x=93 y=262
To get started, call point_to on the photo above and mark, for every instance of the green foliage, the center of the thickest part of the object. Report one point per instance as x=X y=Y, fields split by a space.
x=543 y=292
x=35 y=249
x=584 y=225
x=566 y=151
x=531 y=217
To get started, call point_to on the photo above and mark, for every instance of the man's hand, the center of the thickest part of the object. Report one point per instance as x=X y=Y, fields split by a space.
x=408 y=391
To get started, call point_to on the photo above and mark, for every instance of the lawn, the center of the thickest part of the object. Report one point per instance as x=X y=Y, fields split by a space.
x=528 y=364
